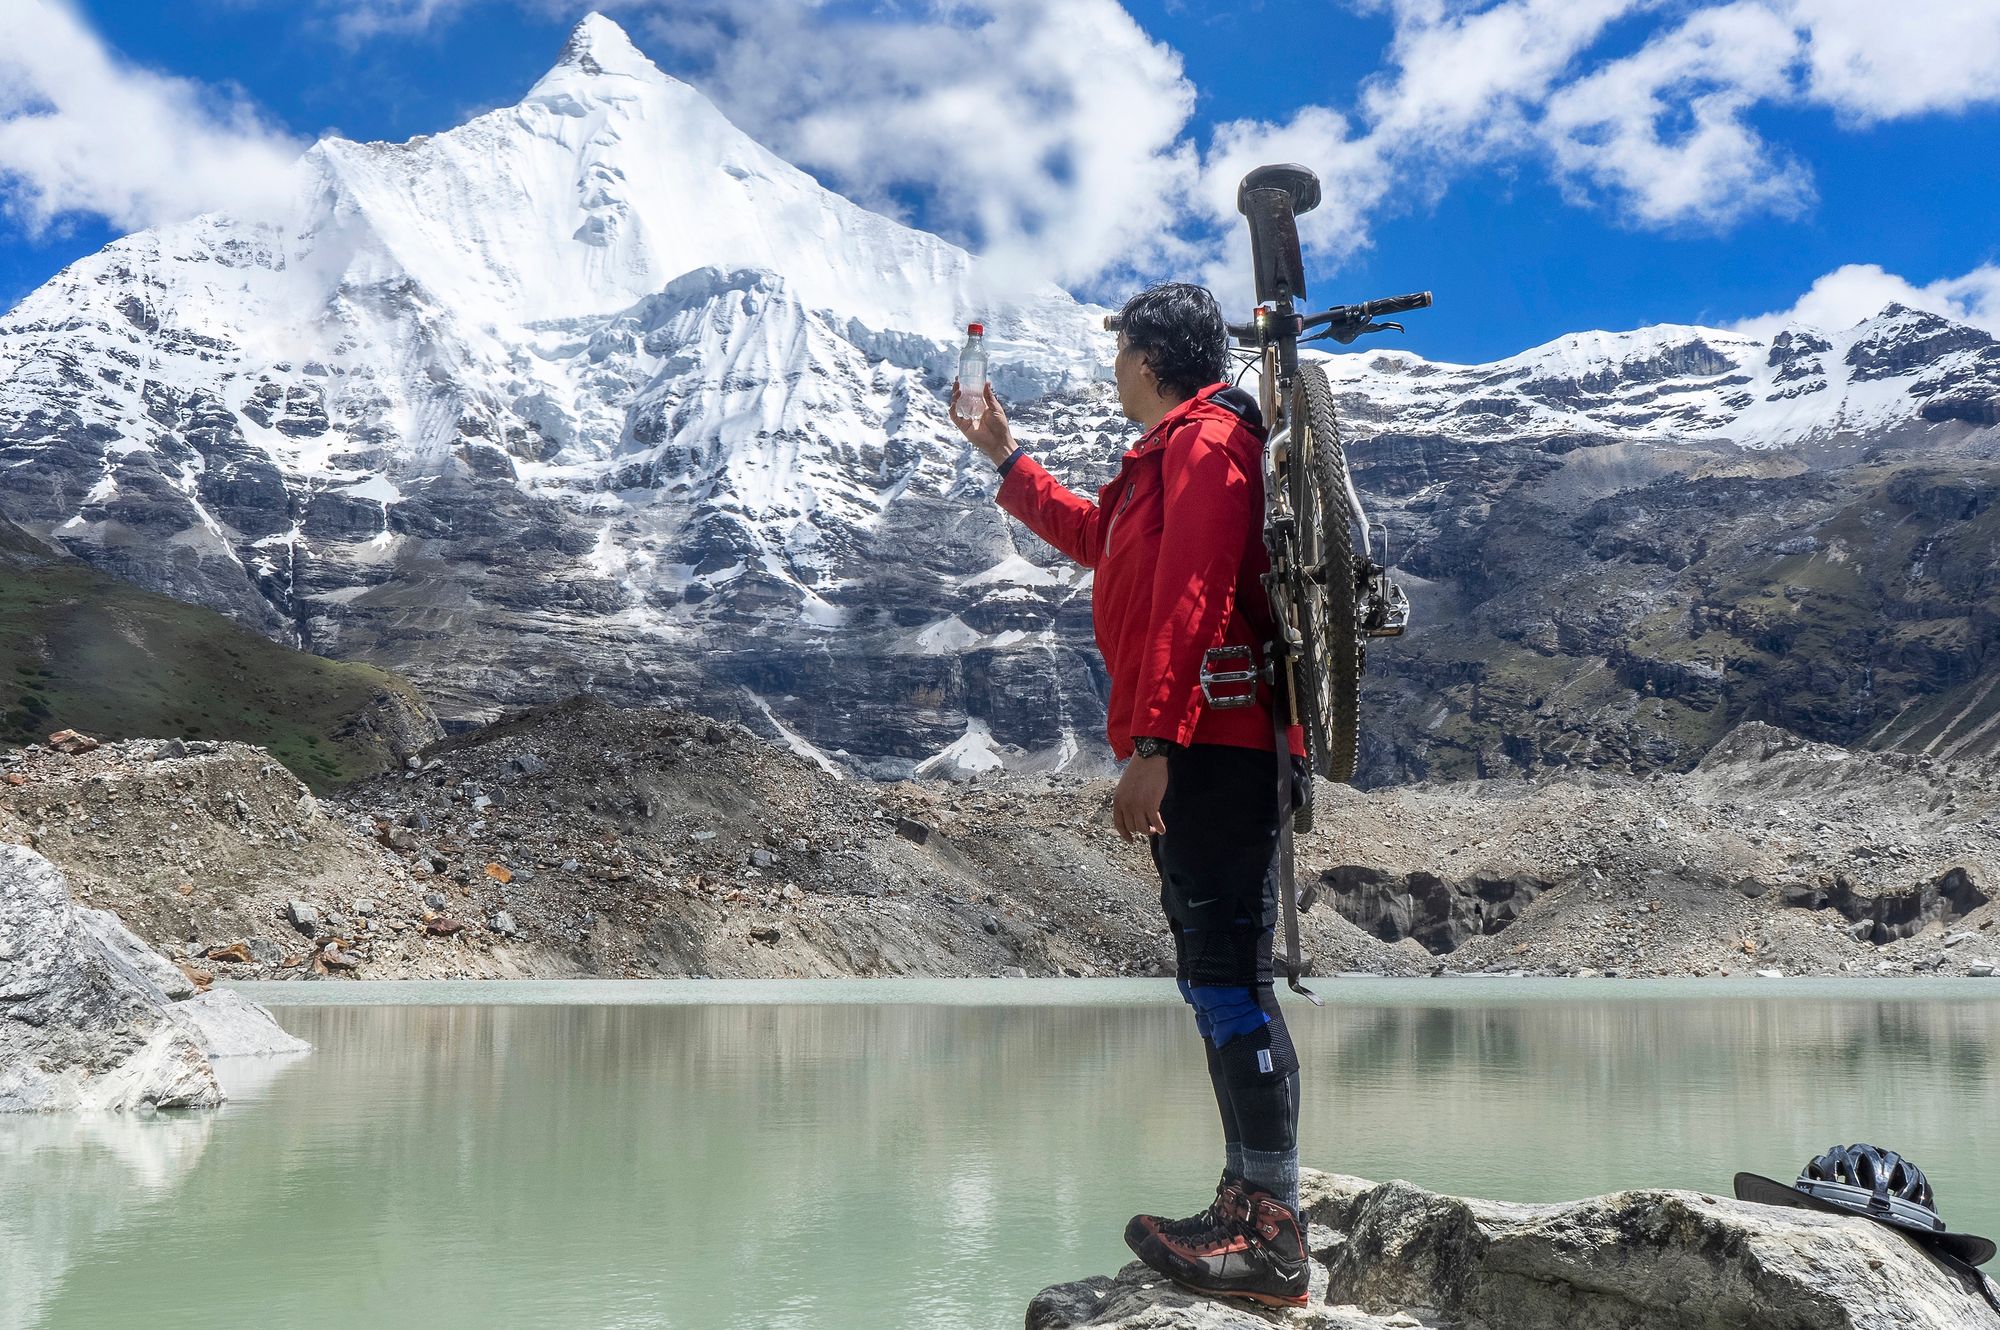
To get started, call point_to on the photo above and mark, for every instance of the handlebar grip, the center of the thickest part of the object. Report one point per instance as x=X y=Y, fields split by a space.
x=1397 y=304
x=1111 y=322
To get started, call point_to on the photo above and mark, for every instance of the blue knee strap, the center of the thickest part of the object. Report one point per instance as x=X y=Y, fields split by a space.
x=1223 y=1012
x=1201 y=1023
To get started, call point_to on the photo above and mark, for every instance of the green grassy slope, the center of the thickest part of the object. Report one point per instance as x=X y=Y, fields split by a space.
x=81 y=650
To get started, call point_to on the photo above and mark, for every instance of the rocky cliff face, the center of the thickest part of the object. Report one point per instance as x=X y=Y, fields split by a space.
x=1774 y=856
x=594 y=392
x=1595 y=600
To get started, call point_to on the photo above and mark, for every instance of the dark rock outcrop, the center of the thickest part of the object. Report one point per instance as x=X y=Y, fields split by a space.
x=1885 y=916
x=1440 y=914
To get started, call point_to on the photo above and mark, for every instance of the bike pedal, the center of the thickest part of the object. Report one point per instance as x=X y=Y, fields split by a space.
x=1243 y=663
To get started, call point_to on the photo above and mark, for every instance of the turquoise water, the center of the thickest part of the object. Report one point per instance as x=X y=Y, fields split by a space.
x=886 y=1153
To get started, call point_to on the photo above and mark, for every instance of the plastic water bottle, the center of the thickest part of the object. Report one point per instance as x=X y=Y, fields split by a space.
x=972 y=373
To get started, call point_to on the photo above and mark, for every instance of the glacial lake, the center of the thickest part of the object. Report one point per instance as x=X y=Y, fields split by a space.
x=867 y=1155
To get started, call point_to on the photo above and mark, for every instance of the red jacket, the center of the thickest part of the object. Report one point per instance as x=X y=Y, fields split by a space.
x=1177 y=544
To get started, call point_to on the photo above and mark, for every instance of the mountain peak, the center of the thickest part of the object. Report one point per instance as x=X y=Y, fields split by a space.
x=597 y=46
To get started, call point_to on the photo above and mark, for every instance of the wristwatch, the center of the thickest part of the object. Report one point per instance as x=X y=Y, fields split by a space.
x=1147 y=746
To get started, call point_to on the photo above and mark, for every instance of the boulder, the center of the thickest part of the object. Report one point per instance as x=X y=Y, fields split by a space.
x=229 y=1025
x=80 y=1024
x=92 y=1019
x=1396 y=1255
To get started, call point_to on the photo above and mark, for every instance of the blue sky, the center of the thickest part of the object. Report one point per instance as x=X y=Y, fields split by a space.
x=1543 y=165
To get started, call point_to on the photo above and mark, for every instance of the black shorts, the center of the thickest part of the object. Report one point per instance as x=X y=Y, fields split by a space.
x=1218 y=862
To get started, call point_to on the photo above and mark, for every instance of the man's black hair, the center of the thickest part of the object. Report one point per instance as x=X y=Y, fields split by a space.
x=1179 y=328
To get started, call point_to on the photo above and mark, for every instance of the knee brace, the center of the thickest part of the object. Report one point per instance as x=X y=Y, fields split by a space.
x=1224 y=1012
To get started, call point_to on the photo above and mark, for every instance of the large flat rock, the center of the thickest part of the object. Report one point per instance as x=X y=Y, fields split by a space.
x=1395 y=1255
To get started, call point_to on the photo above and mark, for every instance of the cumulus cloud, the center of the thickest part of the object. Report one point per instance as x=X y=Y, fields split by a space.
x=1869 y=61
x=82 y=131
x=1091 y=175
x=1847 y=295
x=1048 y=132
x=1468 y=81
x=1664 y=128
x=1352 y=183
x=1665 y=131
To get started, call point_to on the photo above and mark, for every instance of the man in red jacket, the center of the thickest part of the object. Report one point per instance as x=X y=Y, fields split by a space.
x=1175 y=545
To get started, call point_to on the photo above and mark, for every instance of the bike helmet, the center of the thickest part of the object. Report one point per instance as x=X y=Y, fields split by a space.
x=1865 y=1177
x=1876 y=1183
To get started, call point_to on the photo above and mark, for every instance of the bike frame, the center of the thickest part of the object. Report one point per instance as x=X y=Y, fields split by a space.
x=1277 y=364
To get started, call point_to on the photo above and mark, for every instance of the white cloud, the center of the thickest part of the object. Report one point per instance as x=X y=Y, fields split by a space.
x=1466 y=82
x=1050 y=132
x=1663 y=129
x=1352 y=183
x=359 y=20
x=1869 y=60
x=84 y=132
x=1846 y=296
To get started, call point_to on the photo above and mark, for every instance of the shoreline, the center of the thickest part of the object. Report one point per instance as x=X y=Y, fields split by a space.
x=1359 y=990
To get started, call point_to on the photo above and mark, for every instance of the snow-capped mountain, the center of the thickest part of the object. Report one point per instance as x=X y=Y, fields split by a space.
x=596 y=392
x=1682 y=384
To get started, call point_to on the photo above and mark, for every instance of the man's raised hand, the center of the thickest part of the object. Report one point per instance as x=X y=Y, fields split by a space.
x=989 y=433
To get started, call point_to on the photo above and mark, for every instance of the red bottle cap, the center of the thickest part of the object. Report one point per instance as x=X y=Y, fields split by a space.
x=976 y=329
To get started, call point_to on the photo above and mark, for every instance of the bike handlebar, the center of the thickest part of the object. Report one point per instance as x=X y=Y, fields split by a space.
x=1362 y=313
x=1352 y=315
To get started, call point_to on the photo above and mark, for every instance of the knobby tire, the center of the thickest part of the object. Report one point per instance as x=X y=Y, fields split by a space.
x=1329 y=606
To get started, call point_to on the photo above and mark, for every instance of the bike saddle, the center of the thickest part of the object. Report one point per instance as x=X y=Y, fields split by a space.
x=1296 y=180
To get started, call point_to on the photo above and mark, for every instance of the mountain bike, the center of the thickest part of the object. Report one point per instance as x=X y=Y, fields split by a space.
x=1328 y=593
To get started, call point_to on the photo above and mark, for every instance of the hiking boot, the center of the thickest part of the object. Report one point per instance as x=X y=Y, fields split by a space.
x=1256 y=1251
x=1142 y=1227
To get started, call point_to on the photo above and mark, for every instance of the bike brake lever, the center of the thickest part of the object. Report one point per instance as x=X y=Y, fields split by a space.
x=1345 y=336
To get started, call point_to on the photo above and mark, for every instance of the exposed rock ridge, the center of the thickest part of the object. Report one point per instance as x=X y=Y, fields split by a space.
x=1776 y=855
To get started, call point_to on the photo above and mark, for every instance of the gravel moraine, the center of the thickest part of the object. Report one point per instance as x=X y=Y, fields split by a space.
x=583 y=839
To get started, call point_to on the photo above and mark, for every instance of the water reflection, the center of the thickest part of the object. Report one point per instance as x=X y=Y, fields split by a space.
x=906 y=1165
x=70 y=1184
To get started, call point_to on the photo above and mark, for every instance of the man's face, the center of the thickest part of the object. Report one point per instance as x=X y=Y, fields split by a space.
x=1136 y=386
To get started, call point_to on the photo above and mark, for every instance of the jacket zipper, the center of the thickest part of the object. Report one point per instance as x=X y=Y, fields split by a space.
x=1123 y=503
